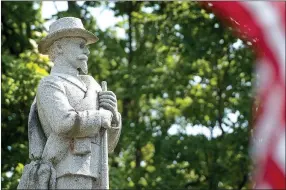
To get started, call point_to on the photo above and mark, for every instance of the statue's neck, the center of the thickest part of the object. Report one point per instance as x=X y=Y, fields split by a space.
x=64 y=68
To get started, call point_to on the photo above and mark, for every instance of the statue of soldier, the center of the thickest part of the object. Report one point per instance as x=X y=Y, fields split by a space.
x=68 y=115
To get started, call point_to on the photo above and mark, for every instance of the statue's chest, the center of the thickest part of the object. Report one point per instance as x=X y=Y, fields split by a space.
x=74 y=94
x=77 y=97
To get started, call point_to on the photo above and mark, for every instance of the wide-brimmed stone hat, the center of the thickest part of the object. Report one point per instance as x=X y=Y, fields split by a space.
x=65 y=27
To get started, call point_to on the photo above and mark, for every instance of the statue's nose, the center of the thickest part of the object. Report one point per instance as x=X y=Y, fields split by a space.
x=86 y=51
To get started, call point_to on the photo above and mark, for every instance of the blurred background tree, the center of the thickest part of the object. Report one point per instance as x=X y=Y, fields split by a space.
x=177 y=70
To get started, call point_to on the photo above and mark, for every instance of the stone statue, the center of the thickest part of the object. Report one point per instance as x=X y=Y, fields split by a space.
x=72 y=119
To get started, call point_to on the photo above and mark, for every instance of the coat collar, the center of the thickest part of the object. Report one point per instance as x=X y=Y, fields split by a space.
x=72 y=79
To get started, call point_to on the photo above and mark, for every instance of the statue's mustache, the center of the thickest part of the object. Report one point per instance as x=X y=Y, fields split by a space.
x=82 y=57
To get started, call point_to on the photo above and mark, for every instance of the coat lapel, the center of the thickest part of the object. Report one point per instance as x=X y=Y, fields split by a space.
x=72 y=80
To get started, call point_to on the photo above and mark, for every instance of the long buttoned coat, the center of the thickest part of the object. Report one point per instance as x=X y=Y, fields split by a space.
x=70 y=119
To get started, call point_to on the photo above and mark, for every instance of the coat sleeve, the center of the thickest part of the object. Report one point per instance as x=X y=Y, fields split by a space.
x=37 y=138
x=62 y=118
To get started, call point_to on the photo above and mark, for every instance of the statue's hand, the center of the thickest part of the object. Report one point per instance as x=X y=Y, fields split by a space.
x=108 y=101
x=106 y=118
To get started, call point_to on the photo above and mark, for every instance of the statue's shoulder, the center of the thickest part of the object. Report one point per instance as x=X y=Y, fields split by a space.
x=51 y=79
x=51 y=82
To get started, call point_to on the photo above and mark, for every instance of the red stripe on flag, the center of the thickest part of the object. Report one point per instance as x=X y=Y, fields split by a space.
x=273 y=175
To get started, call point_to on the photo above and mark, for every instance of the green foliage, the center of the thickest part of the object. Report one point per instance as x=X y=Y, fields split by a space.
x=20 y=77
x=20 y=22
x=22 y=68
x=177 y=65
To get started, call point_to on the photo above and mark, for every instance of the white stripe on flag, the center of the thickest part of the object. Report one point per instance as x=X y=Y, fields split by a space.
x=267 y=122
x=279 y=152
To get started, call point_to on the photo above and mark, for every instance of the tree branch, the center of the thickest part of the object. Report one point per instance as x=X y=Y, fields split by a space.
x=243 y=182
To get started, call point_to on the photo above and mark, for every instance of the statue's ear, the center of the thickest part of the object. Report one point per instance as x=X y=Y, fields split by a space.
x=59 y=47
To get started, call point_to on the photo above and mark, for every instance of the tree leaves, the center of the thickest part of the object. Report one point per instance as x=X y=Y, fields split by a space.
x=176 y=67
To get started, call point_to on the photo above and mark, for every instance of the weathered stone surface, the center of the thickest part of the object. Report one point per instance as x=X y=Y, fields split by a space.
x=69 y=116
x=38 y=175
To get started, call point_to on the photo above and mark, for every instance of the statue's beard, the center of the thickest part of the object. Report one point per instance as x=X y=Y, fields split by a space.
x=82 y=65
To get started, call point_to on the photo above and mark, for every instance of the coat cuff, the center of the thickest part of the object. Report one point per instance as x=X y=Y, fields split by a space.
x=114 y=134
x=89 y=122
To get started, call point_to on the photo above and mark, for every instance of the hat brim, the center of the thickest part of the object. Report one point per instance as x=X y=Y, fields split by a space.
x=47 y=41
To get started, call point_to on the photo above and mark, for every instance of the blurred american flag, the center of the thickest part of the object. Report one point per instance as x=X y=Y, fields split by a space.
x=263 y=24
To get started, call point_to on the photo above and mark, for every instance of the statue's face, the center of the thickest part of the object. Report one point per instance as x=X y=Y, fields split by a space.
x=76 y=53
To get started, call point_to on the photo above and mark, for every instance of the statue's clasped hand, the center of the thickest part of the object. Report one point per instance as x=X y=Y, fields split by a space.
x=108 y=101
